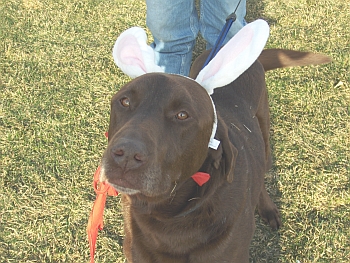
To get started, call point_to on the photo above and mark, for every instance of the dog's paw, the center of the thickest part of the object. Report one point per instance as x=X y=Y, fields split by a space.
x=271 y=216
x=269 y=211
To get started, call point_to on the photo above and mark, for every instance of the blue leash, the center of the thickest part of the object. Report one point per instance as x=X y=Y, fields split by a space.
x=229 y=21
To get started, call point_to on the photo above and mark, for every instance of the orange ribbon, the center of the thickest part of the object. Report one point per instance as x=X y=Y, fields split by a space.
x=96 y=216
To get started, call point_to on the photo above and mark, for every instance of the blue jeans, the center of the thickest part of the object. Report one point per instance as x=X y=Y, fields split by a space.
x=175 y=25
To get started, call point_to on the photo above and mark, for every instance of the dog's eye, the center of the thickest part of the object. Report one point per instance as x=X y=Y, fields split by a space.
x=125 y=102
x=182 y=115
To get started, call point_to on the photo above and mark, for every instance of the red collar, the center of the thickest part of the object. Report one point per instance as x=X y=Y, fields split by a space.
x=200 y=178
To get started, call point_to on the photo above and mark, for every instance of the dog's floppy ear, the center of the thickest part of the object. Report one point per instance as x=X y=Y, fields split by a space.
x=235 y=57
x=132 y=54
x=225 y=156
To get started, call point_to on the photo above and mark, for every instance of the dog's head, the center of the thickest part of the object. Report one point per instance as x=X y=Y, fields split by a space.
x=161 y=124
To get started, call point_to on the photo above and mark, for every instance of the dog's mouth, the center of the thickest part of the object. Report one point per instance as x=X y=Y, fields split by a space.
x=124 y=190
x=120 y=185
x=142 y=185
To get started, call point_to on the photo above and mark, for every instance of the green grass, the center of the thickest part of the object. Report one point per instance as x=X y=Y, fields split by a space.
x=57 y=77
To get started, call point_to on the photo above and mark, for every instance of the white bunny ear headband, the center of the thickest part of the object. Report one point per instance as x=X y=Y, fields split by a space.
x=135 y=58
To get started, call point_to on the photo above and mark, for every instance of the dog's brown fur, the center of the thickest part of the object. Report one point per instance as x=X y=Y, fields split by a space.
x=159 y=130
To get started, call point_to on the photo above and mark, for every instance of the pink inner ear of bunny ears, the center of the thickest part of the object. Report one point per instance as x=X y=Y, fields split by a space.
x=230 y=51
x=129 y=52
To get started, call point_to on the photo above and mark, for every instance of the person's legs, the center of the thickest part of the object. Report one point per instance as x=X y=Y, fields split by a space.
x=213 y=16
x=174 y=26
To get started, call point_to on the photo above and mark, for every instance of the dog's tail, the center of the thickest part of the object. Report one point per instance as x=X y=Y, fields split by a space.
x=282 y=58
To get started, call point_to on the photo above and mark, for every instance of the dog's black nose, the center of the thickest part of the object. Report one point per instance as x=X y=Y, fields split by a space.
x=129 y=154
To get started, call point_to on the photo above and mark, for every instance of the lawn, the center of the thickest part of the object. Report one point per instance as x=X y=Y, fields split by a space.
x=57 y=76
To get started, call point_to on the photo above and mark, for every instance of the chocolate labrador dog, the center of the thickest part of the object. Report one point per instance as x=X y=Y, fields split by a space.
x=160 y=126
